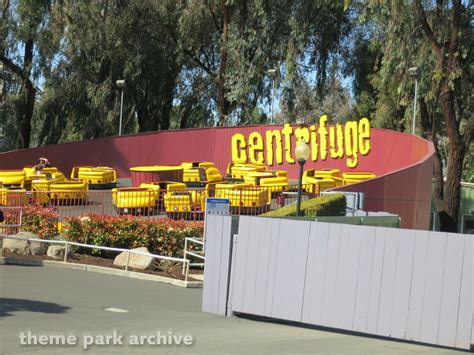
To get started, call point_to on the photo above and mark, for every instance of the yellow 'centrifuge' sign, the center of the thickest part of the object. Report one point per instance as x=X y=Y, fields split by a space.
x=346 y=140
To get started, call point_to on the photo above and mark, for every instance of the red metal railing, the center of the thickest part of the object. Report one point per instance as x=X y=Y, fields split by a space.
x=11 y=203
x=186 y=204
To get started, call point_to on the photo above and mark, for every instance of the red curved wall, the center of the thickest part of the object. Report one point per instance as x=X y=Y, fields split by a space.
x=402 y=162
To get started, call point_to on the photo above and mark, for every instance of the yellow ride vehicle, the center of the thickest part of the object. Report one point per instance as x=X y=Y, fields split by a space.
x=43 y=182
x=316 y=181
x=98 y=177
x=52 y=174
x=12 y=178
x=135 y=200
x=183 y=203
x=68 y=192
x=16 y=197
x=197 y=164
x=245 y=198
x=201 y=176
x=275 y=180
x=241 y=170
x=357 y=176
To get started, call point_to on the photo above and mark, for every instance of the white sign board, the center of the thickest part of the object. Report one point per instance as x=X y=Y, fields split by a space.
x=218 y=206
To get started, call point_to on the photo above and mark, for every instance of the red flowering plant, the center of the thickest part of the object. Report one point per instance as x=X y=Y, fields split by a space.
x=36 y=219
x=160 y=236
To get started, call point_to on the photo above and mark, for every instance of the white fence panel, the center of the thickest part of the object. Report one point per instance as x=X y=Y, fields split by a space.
x=216 y=276
x=361 y=311
x=290 y=270
x=405 y=284
x=315 y=273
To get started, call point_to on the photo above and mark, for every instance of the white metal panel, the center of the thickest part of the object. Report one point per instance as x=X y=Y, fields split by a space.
x=433 y=287
x=290 y=270
x=388 y=283
x=361 y=311
x=272 y=234
x=210 y=300
x=329 y=287
x=224 y=261
x=256 y=268
x=315 y=272
x=257 y=228
x=402 y=285
x=376 y=280
x=346 y=281
x=465 y=313
x=451 y=290
x=420 y=259
x=239 y=264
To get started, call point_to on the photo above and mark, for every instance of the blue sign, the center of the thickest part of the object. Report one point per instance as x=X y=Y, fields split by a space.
x=219 y=206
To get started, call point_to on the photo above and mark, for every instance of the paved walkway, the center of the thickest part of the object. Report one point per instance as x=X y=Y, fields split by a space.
x=55 y=301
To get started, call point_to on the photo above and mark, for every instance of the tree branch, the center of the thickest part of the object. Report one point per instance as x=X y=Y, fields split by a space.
x=453 y=41
x=214 y=19
x=429 y=32
x=18 y=71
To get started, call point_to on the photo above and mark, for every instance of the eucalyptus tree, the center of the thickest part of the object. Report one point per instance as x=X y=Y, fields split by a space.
x=27 y=48
x=104 y=41
x=437 y=37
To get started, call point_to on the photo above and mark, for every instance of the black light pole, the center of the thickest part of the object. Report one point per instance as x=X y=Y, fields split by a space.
x=120 y=85
x=415 y=73
x=302 y=153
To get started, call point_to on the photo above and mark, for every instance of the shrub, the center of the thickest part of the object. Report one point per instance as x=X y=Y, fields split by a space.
x=161 y=236
x=327 y=205
x=36 y=219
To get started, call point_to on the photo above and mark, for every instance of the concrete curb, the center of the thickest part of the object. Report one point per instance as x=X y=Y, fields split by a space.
x=102 y=270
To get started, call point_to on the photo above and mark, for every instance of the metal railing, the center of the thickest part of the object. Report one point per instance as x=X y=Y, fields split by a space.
x=194 y=253
x=185 y=262
x=186 y=204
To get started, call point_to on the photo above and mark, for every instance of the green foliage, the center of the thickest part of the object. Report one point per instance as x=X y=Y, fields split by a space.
x=327 y=205
x=162 y=236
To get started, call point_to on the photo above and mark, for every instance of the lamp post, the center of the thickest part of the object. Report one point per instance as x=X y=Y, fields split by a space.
x=415 y=73
x=120 y=85
x=302 y=153
x=272 y=73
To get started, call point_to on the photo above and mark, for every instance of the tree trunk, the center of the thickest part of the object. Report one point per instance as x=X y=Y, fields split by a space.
x=24 y=135
x=452 y=190
x=222 y=103
x=168 y=96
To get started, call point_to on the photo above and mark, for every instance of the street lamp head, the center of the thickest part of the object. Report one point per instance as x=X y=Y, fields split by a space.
x=272 y=72
x=414 y=71
x=302 y=151
x=120 y=83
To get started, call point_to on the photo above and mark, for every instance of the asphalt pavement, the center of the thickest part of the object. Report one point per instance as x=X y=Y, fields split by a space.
x=50 y=305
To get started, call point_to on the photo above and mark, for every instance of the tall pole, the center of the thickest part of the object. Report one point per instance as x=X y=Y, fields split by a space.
x=300 y=187
x=121 y=110
x=273 y=95
x=414 y=105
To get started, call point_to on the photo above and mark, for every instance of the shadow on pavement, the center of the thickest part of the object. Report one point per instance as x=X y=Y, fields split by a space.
x=10 y=305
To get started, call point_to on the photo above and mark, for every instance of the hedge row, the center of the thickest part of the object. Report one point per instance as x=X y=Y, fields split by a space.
x=327 y=205
x=160 y=236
